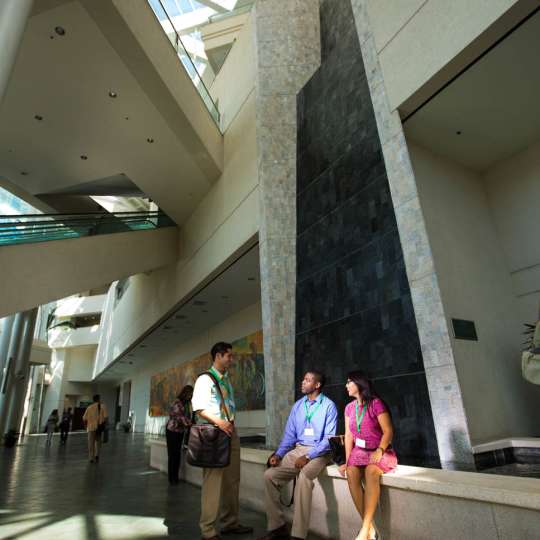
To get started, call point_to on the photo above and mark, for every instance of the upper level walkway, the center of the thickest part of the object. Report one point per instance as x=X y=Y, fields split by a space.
x=57 y=494
x=43 y=258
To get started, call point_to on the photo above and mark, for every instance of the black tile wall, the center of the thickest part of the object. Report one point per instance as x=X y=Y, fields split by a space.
x=353 y=303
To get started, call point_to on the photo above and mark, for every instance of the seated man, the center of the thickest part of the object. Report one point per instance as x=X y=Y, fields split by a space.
x=304 y=452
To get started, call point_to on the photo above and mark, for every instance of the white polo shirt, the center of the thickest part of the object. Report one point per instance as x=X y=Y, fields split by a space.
x=206 y=397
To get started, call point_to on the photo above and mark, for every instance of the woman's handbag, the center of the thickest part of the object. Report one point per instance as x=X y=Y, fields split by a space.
x=209 y=446
x=337 y=448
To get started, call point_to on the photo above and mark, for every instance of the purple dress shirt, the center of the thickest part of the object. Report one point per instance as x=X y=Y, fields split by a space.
x=323 y=423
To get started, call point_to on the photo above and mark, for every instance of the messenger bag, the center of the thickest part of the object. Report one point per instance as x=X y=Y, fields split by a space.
x=209 y=446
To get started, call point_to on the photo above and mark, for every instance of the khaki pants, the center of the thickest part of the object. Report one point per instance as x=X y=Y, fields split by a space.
x=220 y=491
x=275 y=477
x=94 y=444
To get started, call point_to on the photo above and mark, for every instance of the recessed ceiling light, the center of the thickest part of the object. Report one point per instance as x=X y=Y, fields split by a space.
x=60 y=31
x=458 y=132
x=126 y=117
x=38 y=117
x=150 y=140
x=112 y=94
x=84 y=158
x=251 y=279
x=24 y=173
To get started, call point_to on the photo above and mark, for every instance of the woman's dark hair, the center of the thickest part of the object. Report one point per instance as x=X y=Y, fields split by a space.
x=184 y=393
x=366 y=389
x=55 y=412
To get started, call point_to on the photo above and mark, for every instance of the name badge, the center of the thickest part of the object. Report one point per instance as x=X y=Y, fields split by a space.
x=360 y=443
x=309 y=432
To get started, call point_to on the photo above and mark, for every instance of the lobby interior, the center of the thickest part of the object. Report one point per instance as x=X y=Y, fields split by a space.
x=326 y=184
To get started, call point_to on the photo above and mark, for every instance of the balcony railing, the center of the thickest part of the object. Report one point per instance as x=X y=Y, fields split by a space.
x=189 y=63
x=29 y=228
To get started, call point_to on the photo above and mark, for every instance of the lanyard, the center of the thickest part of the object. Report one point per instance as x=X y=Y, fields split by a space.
x=309 y=415
x=359 y=419
x=223 y=382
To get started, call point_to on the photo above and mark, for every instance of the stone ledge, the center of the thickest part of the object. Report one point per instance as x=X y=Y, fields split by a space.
x=488 y=488
x=510 y=442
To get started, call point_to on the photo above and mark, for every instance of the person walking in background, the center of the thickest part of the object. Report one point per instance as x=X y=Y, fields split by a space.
x=65 y=425
x=180 y=420
x=50 y=427
x=95 y=419
x=304 y=453
x=220 y=488
x=368 y=436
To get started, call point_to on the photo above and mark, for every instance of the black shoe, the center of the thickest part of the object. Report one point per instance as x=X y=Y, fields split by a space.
x=97 y=459
x=237 y=529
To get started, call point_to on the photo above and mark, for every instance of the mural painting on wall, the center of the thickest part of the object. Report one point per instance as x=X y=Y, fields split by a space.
x=247 y=377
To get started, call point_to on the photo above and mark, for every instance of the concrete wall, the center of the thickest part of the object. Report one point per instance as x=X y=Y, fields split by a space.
x=476 y=285
x=80 y=305
x=238 y=71
x=513 y=191
x=224 y=224
x=63 y=337
x=71 y=371
x=69 y=266
x=424 y=41
x=416 y=503
x=239 y=325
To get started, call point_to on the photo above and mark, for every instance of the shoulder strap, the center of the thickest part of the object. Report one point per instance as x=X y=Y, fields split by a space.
x=216 y=382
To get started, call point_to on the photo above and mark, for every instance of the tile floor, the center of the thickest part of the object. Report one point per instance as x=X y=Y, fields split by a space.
x=55 y=493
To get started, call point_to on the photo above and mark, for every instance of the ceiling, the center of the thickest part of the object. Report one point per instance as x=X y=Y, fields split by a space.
x=492 y=110
x=235 y=289
x=61 y=132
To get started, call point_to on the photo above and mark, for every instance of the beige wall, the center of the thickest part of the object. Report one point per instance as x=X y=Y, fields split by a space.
x=239 y=325
x=236 y=79
x=513 y=191
x=476 y=285
x=422 y=40
x=39 y=273
x=225 y=222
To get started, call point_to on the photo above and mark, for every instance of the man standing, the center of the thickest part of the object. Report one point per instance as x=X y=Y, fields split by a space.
x=303 y=453
x=65 y=425
x=94 y=419
x=220 y=489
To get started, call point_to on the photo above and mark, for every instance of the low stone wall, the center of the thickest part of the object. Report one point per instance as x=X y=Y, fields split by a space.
x=416 y=503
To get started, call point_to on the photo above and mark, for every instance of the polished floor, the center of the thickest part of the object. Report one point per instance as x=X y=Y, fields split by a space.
x=55 y=493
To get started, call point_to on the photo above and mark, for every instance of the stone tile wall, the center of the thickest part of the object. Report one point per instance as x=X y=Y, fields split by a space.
x=353 y=302
x=287 y=53
x=444 y=391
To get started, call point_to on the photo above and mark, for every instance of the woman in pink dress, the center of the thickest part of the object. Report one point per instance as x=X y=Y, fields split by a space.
x=368 y=434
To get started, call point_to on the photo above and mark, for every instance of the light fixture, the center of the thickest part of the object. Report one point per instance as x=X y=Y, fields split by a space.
x=84 y=158
x=251 y=279
x=38 y=117
x=458 y=132
x=150 y=140
x=24 y=173
x=60 y=31
x=112 y=94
